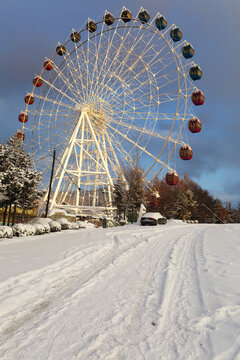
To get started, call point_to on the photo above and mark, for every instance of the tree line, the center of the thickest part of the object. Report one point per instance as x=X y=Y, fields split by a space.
x=19 y=187
x=186 y=201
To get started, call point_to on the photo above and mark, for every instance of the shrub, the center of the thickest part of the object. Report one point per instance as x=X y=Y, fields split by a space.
x=81 y=224
x=46 y=227
x=73 y=225
x=39 y=229
x=65 y=224
x=55 y=226
x=23 y=230
x=6 y=232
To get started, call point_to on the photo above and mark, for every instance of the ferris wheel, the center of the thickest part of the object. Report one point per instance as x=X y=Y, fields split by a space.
x=118 y=91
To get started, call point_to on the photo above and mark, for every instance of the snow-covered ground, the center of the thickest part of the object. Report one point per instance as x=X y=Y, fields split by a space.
x=166 y=292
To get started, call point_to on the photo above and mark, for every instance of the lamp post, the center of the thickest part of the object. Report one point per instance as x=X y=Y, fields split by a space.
x=50 y=183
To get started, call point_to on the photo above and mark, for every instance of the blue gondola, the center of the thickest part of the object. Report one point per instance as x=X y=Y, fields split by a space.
x=161 y=22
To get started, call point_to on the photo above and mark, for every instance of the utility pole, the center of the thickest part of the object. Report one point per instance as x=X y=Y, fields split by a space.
x=50 y=183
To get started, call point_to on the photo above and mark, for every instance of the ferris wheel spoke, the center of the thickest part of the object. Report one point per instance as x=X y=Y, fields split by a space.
x=143 y=53
x=52 y=101
x=81 y=61
x=116 y=144
x=73 y=89
x=157 y=53
x=60 y=91
x=105 y=61
x=97 y=48
x=155 y=77
x=135 y=42
x=147 y=132
x=143 y=84
x=137 y=146
x=72 y=70
x=119 y=49
x=120 y=63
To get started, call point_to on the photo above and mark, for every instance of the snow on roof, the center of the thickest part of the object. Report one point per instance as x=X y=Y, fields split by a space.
x=154 y=215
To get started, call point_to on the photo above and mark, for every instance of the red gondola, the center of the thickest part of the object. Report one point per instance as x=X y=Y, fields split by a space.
x=186 y=152
x=23 y=117
x=20 y=135
x=198 y=98
x=37 y=81
x=48 y=65
x=194 y=125
x=172 y=178
x=29 y=99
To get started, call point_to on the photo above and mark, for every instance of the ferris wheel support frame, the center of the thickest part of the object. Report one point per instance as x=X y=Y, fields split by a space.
x=83 y=123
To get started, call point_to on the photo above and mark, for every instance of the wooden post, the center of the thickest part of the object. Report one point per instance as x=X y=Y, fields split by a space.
x=5 y=213
x=14 y=214
x=9 y=213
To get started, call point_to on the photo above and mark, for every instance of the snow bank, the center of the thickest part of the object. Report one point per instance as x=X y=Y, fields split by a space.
x=40 y=226
x=59 y=211
x=6 y=232
x=175 y=221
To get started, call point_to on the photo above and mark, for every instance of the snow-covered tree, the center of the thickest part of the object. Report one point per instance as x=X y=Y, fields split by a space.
x=233 y=214
x=136 y=191
x=184 y=205
x=18 y=181
x=120 y=196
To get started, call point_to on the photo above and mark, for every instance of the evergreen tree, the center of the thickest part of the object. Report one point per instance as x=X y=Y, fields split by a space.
x=120 y=196
x=238 y=213
x=220 y=213
x=19 y=183
x=185 y=205
x=168 y=195
x=136 y=190
x=233 y=216
x=204 y=211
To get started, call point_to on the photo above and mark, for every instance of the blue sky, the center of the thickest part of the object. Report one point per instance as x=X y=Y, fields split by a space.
x=30 y=31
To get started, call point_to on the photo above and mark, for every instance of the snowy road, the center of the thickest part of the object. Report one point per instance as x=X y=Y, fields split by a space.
x=167 y=292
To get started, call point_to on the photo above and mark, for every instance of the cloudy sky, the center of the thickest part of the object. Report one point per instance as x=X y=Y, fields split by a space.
x=30 y=31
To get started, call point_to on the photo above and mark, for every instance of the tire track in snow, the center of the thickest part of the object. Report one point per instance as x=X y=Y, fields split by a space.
x=65 y=288
x=127 y=331
x=120 y=329
x=181 y=301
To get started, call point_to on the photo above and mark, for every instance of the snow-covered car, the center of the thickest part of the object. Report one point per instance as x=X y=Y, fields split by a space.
x=153 y=218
